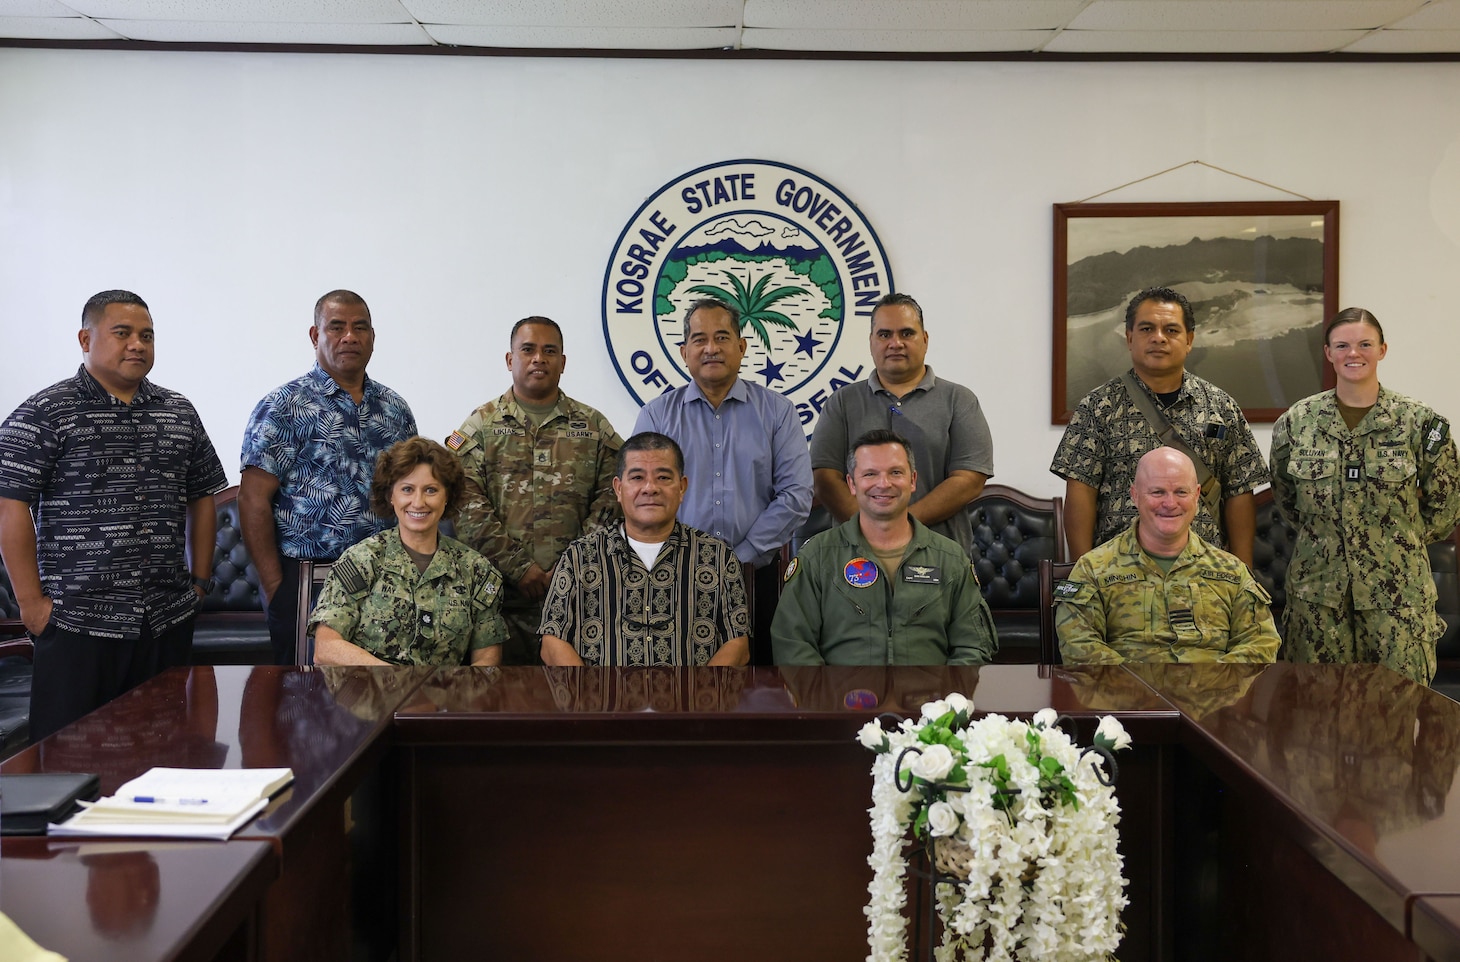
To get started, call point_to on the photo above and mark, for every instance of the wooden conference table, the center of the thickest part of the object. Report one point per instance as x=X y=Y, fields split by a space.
x=1269 y=812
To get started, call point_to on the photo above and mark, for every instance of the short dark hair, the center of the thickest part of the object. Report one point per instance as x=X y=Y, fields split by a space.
x=876 y=438
x=340 y=296
x=401 y=458
x=1353 y=315
x=710 y=303
x=647 y=441
x=899 y=300
x=535 y=319
x=96 y=305
x=1161 y=295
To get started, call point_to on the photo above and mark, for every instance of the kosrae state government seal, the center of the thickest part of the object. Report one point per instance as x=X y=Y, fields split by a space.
x=788 y=249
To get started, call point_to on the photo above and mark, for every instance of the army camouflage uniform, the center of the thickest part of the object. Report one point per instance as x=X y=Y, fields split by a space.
x=530 y=493
x=378 y=599
x=1119 y=606
x=1365 y=503
x=1107 y=435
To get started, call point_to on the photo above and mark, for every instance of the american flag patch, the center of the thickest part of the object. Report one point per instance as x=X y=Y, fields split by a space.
x=455 y=440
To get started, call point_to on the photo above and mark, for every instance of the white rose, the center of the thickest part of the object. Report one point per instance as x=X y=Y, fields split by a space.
x=942 y=819
x=935 y=762
x=959 y=703
x=872 y=736
x=1045 y=718
x=934 y=710
x=1111 y=734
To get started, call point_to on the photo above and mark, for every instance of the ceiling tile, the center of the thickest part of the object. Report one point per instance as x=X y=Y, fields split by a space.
x=586 y=38
x=578 y=13
x=898 y=15
x=1407 y=41
x=35 y=8
x=246 y=11
x=54 y=28
x=1241 y=15
x=897 y=41
x=349 y=34
x=1208 y=41
x=1438 y=15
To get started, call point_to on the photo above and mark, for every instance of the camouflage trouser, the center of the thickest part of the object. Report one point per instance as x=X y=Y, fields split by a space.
x=1399 y=638
x=524 y=644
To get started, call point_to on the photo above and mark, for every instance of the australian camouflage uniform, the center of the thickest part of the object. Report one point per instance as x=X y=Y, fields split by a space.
x=1365 y=504
x=1118 y=605
x=378 y=599
x=531 y=489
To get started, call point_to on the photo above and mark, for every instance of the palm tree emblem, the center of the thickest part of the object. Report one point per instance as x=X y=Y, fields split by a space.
x=754 y=304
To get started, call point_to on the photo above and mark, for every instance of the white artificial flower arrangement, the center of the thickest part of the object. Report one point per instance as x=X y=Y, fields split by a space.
x=1019 y=825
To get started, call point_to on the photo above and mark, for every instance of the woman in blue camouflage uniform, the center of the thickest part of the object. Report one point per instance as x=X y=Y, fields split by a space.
x=1369 y=478
x=410 y=595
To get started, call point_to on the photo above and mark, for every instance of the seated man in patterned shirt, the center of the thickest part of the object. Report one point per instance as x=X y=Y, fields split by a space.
x=1158 y=592
x=651 y=591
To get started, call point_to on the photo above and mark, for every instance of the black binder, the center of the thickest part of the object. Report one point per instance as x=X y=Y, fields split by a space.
x=29 y=802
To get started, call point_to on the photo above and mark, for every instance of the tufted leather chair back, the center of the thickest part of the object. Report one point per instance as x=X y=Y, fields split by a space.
x=1272 y=549
x=1012 y=533
x=235 y=580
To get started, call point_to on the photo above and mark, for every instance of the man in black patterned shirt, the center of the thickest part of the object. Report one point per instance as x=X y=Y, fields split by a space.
x=1108 y=434
x=651 y=591
x=106 y=518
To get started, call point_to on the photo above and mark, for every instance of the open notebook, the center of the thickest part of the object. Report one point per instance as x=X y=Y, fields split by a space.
x=180 y=803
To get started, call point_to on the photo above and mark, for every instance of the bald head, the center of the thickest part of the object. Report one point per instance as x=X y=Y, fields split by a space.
x=1166 y=462
x=1166 y=495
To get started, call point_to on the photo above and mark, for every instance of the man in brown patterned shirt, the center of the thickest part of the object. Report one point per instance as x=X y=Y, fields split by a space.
x=651 y=591
x=1108 y=434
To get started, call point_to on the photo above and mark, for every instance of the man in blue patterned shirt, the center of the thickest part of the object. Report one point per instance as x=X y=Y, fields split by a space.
x=308 y=455
x=104 y=479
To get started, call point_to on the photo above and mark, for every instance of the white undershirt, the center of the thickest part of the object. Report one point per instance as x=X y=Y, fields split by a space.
x=648 y=551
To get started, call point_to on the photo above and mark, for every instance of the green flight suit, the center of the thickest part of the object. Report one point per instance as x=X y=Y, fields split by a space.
x=933 y=615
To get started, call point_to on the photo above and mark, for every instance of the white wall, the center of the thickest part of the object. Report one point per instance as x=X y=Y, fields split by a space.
x=458 y=194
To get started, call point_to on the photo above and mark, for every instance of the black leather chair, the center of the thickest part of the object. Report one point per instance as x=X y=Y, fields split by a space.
x=15 y=672
x=1049 y=644
x=231 y=628
x=1012 y=533
x=1272 y=549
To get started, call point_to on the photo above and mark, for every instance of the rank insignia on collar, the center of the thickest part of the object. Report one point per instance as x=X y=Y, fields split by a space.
x=791 y=570
x=455 y=440
x=860 y=573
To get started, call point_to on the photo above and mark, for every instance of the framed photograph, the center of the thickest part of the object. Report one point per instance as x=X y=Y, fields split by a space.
x=1262 y=279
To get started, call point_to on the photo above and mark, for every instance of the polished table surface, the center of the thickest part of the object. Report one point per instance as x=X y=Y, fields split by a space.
x=138 y=901
x=1362 y=761
x=1436 y=926
x=1354 y=764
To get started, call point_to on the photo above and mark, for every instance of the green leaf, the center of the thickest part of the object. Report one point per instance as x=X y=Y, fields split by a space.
x=1050 y=766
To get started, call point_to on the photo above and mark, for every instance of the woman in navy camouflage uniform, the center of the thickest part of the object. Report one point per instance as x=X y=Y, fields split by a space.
x=1369 y=478
x=410 y=595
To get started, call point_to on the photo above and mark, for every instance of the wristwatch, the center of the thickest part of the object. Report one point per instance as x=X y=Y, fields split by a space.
x=205 y=583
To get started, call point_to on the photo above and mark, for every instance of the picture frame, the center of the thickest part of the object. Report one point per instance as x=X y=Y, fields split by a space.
x=1262 y=278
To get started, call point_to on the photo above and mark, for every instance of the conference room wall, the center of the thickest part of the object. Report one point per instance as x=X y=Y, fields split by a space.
x=460 y=193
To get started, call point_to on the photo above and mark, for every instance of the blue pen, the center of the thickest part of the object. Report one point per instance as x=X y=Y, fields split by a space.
x=154 y=800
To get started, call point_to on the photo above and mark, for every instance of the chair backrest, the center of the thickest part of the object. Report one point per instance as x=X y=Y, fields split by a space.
x=1445 y=566
x=1049 y=573
x=235 y=580
x=10 y=623
x=1012 y=533
x=1272 y=549
x=312 y=576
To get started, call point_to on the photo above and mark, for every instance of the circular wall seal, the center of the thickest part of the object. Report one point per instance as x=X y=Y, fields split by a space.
x=787 y=248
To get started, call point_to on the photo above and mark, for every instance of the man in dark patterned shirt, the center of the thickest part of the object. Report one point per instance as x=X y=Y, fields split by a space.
x=308 y=455
x=105 y=480
x=651 y=591
x=1108 y=434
